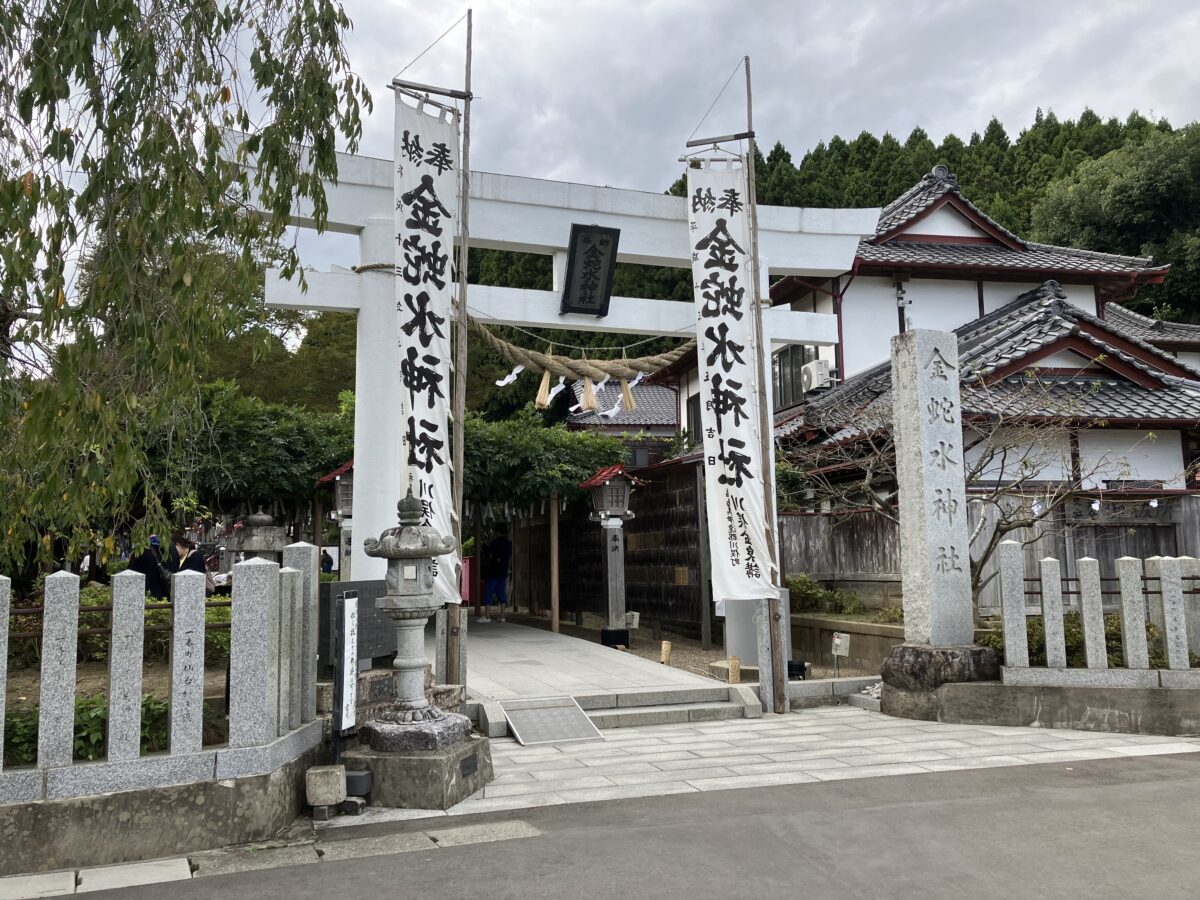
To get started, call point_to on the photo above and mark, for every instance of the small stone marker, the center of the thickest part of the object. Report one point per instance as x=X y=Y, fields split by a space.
x=934 y=552
x=187 y=662
x=735 y=670
x=56 y=708
x=125 y=666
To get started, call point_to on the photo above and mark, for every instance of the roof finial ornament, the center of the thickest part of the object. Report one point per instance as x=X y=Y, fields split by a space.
x=940 y=172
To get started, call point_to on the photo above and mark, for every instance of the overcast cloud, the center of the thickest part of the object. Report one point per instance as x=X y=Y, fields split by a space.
x=607 y=92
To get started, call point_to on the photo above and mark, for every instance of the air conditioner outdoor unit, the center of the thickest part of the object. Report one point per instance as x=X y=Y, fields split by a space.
x=814 y=375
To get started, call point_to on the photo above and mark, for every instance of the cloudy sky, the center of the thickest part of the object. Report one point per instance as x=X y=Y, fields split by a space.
x=607 y=91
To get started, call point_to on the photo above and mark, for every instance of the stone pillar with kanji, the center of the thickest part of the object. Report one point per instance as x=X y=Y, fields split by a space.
x=935 y=558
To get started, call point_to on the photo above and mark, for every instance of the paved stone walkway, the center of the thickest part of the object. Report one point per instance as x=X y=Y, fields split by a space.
x=821 y=744
x=506 y=661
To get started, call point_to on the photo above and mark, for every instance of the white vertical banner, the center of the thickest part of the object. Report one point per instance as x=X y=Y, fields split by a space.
x=719 y=228
x=427 y=203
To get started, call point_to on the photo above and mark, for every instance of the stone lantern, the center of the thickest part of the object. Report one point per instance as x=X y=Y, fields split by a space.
x=410 y=550
x=610 y=489
x=420 y=756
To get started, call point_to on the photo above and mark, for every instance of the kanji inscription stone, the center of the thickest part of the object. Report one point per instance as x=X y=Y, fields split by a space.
x=935 y=561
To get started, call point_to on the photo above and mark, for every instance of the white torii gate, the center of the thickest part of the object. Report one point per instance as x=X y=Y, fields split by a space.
x=531 y=215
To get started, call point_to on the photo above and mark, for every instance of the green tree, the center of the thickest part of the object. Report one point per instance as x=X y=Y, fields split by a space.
x=1140 y=199
x=115 y=134
x=520 y=461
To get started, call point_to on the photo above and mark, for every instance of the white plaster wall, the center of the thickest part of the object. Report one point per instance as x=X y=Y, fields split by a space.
x=1081 y=295
x=947 y=222
x=1114 y=453
x=688 y=386
x=1189 y=359
x=1013 y=459
x=1000 y=293
x=868 y=323
x=1063 y=359
x=940 y=304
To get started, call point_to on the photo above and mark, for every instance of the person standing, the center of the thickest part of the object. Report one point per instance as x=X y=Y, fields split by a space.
x=496 y=556
x=150 y=563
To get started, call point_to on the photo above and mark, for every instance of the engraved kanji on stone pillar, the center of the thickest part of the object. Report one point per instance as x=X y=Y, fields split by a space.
x=935 y=561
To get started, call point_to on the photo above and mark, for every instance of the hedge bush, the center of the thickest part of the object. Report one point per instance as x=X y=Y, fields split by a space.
x=809 y=596
x=91 y=729
x=1073 y=632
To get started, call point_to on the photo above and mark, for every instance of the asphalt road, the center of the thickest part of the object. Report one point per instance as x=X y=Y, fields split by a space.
x=1108 y=828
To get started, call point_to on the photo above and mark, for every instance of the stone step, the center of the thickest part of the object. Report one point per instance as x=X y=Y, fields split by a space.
x=657 y=696
x=666 y=714
x=862 y=701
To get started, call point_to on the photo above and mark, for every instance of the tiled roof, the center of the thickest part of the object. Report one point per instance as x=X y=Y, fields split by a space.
x=1023 y=256
x=656 y=405
x=1152 y=331
x=1033 y=321
x=1037 y=257
x=924 y=194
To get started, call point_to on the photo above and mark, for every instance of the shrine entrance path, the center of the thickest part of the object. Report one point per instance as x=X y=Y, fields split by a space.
x=507 y=661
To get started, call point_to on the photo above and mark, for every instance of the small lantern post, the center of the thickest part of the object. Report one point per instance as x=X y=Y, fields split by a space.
x=610 y=489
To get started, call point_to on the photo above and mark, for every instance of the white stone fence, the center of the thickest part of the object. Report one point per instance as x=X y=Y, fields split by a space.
x=272 y=682
x=1150 y=590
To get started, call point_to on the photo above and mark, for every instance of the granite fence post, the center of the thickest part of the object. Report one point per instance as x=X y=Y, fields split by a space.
x=5 y=595
x=307 y=559
x=1175 y=621
x=125 y=666
x=1189 y=570
x=1154 y=608
x=187 y=662
x=1091 y=606
x=1012 y=604
x=1052 y=613
x=253 y=706
x=291 y=614
x=60 y=641
x=1133 y=613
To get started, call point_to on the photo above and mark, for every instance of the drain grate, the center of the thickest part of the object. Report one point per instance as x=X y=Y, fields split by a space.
x=549 y=720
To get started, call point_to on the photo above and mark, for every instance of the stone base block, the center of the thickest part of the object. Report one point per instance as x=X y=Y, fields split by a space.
x=436 y=734
x=912 y=674
x=430 y=779
x=903 y=704
x=325 y=785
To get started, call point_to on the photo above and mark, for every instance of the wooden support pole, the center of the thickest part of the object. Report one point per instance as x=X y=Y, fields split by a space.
x=457 y=615
x=704 y=564
x=554 y=562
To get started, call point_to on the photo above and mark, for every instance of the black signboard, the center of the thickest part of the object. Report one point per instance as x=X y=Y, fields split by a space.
x=591 y=259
